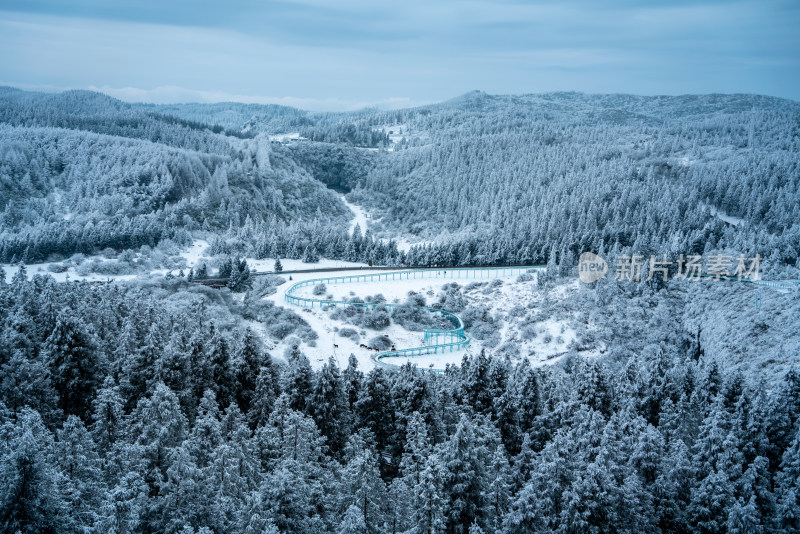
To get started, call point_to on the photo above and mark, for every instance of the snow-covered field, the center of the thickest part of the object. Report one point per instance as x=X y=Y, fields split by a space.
x=286 y=137
x=512 y=303
x=393 y=291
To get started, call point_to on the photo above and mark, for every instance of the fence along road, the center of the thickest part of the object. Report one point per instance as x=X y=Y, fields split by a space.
x=435 y=340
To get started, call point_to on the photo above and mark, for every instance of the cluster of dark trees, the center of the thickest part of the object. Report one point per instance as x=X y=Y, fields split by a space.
x=124 y=411
x=235 y=270
x=307 y=241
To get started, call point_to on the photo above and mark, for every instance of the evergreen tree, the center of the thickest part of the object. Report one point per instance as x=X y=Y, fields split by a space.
x=430 y=516
x=74 y=364
x=248 y=362
x=158 y=428
x=82 y=484
x=31 y=500
x=328 y=406
x=374 y=407
x=298 y=380
x=353 y=521
x=352 y=378
x=138 y=366
x=363 y=488
x=27 y=381
x=464 y=483
x=206 y=433
x=107 y=416
x=310 y=254
x=221 y=370
x=788 y=487
x=263 y=399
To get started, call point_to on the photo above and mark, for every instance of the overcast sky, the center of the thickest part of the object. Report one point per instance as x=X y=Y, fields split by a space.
x=335 y=55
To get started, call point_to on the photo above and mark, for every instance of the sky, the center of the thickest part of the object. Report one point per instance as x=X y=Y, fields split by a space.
x=335 y=55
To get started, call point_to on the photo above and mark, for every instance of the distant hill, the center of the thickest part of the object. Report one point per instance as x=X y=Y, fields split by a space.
x=489 y=178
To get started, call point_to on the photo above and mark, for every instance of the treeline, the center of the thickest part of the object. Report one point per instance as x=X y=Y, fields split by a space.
x=308 y=242
x=128 y=412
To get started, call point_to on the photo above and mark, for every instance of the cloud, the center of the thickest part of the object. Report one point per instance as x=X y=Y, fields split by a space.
x=344 y=55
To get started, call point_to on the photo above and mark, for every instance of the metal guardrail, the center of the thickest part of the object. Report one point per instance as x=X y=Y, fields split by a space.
x=223 y=280
x=782 y=285
x=451 y=339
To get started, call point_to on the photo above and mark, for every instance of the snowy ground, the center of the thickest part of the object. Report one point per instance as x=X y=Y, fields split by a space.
x=320 y=321
x=393 y=291
x=515 y=305
x=364 y=219
x=360 y=217
x=398 y=132
x=70 y=274
x=735 y=221
x=195 y=256
x=286 y=137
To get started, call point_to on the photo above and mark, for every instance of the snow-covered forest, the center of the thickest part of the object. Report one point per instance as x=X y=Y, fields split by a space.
x=139 y=401
x=490 y=180
x=138 y=409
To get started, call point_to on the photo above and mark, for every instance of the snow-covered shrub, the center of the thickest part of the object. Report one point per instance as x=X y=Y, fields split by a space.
x=516 y=311
x=381 y=342
x=508 y=349
x=349 y=333
x=77 y=259
x=84 y=269
x=320 y=289
x=376 y=320
x=111 y=267
x=57 y=268
x=306 y=333
x=127 y=256
x=412 y=315
x=280 y=329
x=528 y=332
x=473 y=286
x=451 y=298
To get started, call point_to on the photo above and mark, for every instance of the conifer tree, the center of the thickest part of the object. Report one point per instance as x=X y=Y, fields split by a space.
x=74 y=364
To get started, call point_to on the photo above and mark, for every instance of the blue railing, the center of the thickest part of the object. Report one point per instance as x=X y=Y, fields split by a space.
x=436 y=340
